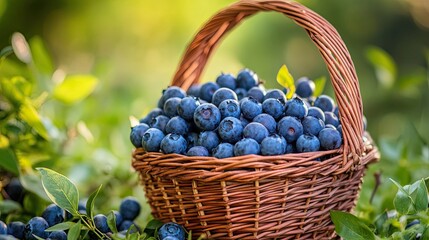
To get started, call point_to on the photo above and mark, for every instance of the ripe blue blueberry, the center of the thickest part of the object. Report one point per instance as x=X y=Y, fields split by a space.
x=230 y=130
x=173 y=143
x=207 y=90
x=250 y=108
x=273 y=145
x=312 y=125
x=330 y=126
x=307 y=143
x=53 y=215
x=159 y=122
x=290 y=128
x=136 y=134
x=305 y=87
x=244 y=121
x=81 y=208
x=171 y=92
x=207 y=117
x=194 y=90
x=171 y=229
x=15 y=190
x=273 y=107
x=223 y=94
x=118 y=218
x=340 y=130
x=290 y=148
x=276 y=94
x=170 y=106
x=256 y=93
x=229 y=108
x=316 y=112
x=152 y=138
x=223 y=150
x=331 y=118
x=337 y=112
x=241 y=93
x=57 y=235
x=325 y=103
x=127 y=224
x=247 y=79
x=412 y=223
x=100 y=222
x=198 y=151
x=191 y=139
x=329 y=139
x=226 y=81
x=36 y=226
x=296 y=108
x=268 y=121
x=208 y=139
x=256 y=131
x=151 y=115
x=16 y=229
x=3 y=228
x=177 y=125
x=246 y=146
x=129 y=208
x=187 y=107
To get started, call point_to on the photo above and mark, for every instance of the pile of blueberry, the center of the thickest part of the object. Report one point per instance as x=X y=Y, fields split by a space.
x=236 y=116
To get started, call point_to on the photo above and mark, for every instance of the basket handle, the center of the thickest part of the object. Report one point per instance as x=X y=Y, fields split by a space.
x=332 y=48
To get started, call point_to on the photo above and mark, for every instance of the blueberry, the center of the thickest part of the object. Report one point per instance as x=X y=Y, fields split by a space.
x=412 y=223
x=151 y=115
x=296 y=108
x=159 y=122
x=244 y=121
x=256 y=93
x=307 y=143
x=36 y=226
x=290 y=148
x=329 y=139
x=316 y=112
x=208 y=139
x=198 y=151
x=129 y=208
x=256 y=131
x=336 y=112
x=273 y=107
x=241 y=93
x=191 y=139
x=177 y=125
x=247 y=79
x=194 y=90
x=325 y=103
x=186 y=107
x=223 y=94
x=340 y=130
x=136 y=134
x=125 y=225
x=118 y=218
x=81 y=208
x=230 y=130
x=273 y=145
x=100 y=222
x=290 y=128
x=207 y=117
x=171 y=92
x=250 y=108
x=207 y=91
x=226 y=81
x=57 y=235
x=16 y=229
x=173 y=143
x=331 y=118
x=152 y=140
x=312 y=125
x=15 y=190
x=223 y=150
x=170 y=106
x=171 y=229
x=246 y=146
x=276 y=94
x=3 y=228
x=53 y=215
x=330 y=126
x=268 y=121
x=305 y=87
x=229 y=108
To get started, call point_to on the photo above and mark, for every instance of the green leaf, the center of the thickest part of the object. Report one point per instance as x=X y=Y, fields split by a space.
x=13 y=90
x=8 y=160
x=350 y=227
x=74 y=231
x=152 y=226
x=37 y=237
x=41 y=58
x=190 y=235
x=320 y=86
x=425 y=234
x=285 y=79
x=380 y=225
x=31 y=182
x=61 y=226
x=402 y=201
x=90 y=203
x=420 y=195
x=21 y=48
x=385 y=67
x=111 y=221
x=29 y=114
x=8 y=206
x=60 y=190
x=75 y=88
x=6 y=51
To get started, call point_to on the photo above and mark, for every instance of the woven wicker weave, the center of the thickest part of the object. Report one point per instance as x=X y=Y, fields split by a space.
x=263 y=197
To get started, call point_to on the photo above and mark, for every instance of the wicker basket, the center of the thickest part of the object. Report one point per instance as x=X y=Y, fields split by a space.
x=263 y=197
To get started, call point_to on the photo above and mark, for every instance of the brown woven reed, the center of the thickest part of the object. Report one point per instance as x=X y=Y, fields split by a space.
x=263 y=197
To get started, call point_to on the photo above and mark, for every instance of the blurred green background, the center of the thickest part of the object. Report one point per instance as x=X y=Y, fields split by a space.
x=133 y=48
